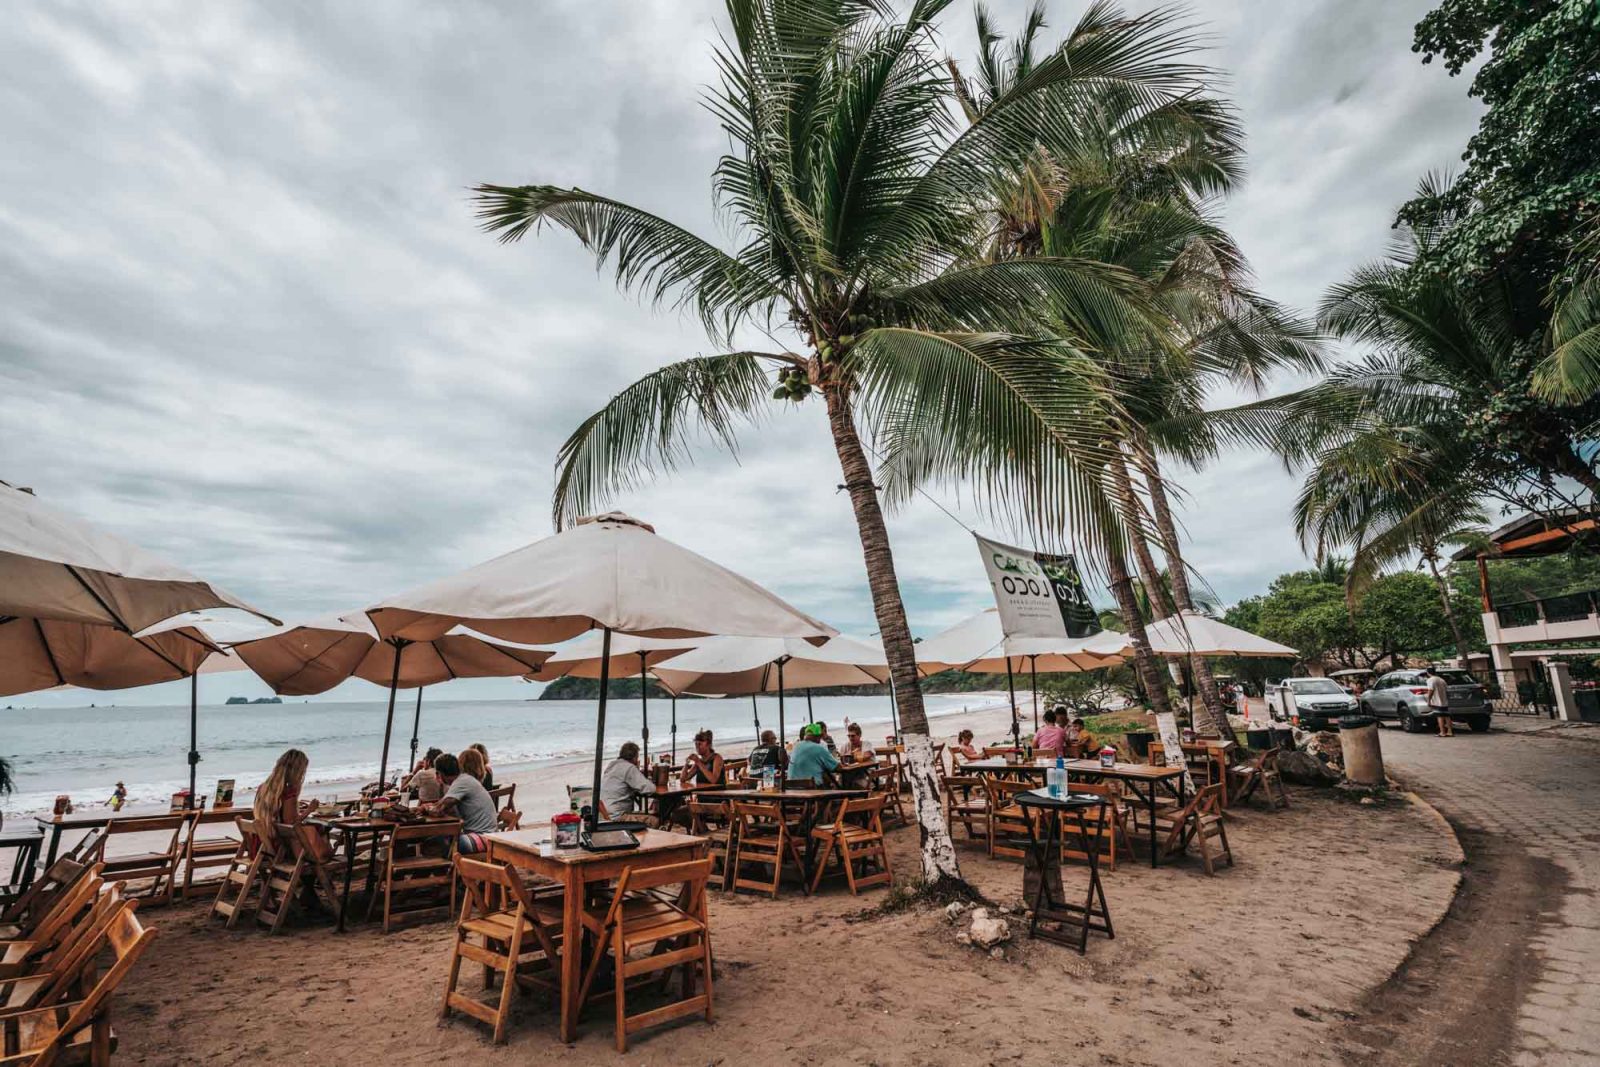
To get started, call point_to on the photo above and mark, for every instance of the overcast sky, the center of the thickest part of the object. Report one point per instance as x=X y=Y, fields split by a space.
x=249 y=324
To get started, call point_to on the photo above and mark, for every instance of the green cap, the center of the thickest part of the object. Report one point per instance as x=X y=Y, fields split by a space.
x=812 y=730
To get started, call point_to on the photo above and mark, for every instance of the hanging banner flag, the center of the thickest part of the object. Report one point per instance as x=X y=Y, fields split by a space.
x=1038 y=595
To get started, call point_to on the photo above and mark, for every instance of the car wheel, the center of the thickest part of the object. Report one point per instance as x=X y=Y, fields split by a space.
x=1479 y=724
x=1407 y=723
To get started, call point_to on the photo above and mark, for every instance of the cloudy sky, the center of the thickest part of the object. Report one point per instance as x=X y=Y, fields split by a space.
x=248 y=322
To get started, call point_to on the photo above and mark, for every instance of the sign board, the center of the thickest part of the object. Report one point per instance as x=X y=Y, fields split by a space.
x=1039 y=595
x=1172 y=747
x=224 y=797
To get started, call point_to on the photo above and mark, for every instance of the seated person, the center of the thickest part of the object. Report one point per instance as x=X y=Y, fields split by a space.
x=487 y=777
x=826 y=738
x=767 y=754
x=1087 y=744
x=854 y=750
x=964 y=747
x=703 y=766
x=811 y=760
x=1051 y=737
x=424 y=781
x=466 y=799
x=278 y=803
x=623 y=786
x=472 y=762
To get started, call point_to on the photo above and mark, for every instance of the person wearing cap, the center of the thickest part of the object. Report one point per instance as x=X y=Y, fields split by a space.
x=811 y=759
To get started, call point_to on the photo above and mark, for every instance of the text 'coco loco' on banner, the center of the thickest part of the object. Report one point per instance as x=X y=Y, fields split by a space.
x=1038 y=595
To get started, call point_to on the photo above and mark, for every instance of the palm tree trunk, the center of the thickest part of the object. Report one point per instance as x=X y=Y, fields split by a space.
x=1151 y=676
x=1143 y=561
x=941 y=874
x=1167 y=530
x=1432 y=556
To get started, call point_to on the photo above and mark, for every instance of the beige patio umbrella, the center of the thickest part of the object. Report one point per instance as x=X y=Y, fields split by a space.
x=1189 y=633
x=608 y=572
x=582 y=659
x=313 y=657
x=978 y=644
x=736 y=666
x=54 y=566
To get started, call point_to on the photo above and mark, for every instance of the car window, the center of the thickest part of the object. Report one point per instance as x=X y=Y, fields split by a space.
x=1458 y=678
x=1386 y=682
x=1315 y=686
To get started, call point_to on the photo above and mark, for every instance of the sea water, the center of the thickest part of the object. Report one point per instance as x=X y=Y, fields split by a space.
x=83 y=752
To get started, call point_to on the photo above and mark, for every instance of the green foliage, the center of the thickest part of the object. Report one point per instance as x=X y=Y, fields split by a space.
x=570 y=688
x=1533 y=168
x=1402 y=612
x=1513 y=580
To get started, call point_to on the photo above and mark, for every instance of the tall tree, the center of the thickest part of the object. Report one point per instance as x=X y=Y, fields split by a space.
x=853 y=194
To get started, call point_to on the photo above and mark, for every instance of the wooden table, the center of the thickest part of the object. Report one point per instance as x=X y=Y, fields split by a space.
x=1093 y=914
x=576 y=870
x=352 y=828
x=665 y=800
x=1141 y=779
x=1213 y=751
x=53 y=825
x=810 y=802
x=27 y=842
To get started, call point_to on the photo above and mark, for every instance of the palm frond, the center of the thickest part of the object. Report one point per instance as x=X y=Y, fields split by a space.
x=651 y=426
x=1571 y=372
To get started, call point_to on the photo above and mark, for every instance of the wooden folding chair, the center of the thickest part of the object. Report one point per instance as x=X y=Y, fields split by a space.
x=673 y=934
x=856 y=837
x=410 y=866
x=763 y=839
x=998 y=751
x=53 y=926
x=26 y=912
x=504 y=797
x=967 y=802
x=1008 y=823
x=508 y=818
x=518 y=938
x=201 y=851
x=161 y=866
x=1106 y=833
x=289 y=860
x=1199 y=821
x=58 y=973
x=885 y=779
x=1260 y=773
x=712 y=820
x=79 y=1030
x=243 y=876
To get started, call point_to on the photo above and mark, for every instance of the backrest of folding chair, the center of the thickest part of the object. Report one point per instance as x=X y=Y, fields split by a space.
x=1209 y=800
x=246 y=826
x=88 y=846
x=872 y=807
x=149 y=824
x=69 y=908
x=751 y=814
x=128 y=938
x=49 y=892
x=82 y=946
x=507 y=793
x=411 y=834
x=484 y=883
x=711 y=814
x=991 y=751
x=885 y=776
x=692 y=875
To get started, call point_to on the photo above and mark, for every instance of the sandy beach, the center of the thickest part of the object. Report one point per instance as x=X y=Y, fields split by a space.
x=1255 y=965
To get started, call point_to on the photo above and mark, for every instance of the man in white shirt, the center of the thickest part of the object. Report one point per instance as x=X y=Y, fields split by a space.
x=622 y=787
x=1439 y=702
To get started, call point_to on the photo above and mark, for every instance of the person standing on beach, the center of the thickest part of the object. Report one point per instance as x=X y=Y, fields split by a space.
x=119 y=797
x=1439 y=702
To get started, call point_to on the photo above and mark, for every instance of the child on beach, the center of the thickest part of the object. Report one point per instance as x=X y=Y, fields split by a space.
x=119 y=797
x=963 y=747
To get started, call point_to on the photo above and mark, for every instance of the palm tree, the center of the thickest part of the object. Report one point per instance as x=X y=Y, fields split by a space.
x=1571 y=372
x=1135 y=188
x=853 y=195
x=1442 y=410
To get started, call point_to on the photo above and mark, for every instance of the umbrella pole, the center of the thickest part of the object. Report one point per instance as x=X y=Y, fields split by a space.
x=194 y=740
x=600 y=724
x=644 y=714
x=810 y=717
x=416 y=727
x=755 y=713
x=1011 y=689
x=388 y=726
x=1033 y=669
x=674 y=729
x=781 y=730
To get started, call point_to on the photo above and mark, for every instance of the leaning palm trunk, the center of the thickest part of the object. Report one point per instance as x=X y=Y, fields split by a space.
x=1145 y=662
x=1167 y=530
x=1160 y=605
x=940 y=872
x=1431 y=554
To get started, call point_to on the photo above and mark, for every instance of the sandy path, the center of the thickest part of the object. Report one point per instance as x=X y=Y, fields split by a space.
x=1242 y=968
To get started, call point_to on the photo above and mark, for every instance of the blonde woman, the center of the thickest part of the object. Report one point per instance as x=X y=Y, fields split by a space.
x=278 y=799
x=487 y=778
x=473 y=763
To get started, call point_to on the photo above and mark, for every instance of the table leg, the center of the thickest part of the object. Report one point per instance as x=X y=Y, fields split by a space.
x=1096 y=889
x=1150 y=808
x=28 y=857
x=571 y=953
x=55 y=845
x=349 y=876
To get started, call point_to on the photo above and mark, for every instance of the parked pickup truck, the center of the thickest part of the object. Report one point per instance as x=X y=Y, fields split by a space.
x=1402 y=697
x=1318 y=703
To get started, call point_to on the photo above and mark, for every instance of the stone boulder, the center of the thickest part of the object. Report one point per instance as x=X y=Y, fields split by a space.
x=1302 y=768
x=1326 y=746
x=987 y=932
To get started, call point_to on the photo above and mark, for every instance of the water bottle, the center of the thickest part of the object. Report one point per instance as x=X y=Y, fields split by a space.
x=1056 y=777
x=769 y=779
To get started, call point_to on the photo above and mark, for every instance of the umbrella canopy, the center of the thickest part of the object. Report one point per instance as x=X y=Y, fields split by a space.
x=735 y=666
x=40 y=653
x=629 y=655
x=1189 y=633
x=607 y=572
x=313 y=657
x=978 y=644
x=53 y=566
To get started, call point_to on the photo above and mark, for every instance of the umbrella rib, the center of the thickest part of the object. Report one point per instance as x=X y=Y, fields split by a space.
x=49 y=654
x=168 y=660
x=98 y=599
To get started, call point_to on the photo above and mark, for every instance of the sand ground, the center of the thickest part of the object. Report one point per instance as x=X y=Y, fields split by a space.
x=1246 y=967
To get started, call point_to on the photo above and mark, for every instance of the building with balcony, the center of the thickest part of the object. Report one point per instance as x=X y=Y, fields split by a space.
x=1571 y=616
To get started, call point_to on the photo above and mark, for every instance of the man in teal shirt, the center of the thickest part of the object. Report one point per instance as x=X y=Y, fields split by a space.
x=810 y=758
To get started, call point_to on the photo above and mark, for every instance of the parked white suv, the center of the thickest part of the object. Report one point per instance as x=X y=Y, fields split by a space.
x=1318 y=703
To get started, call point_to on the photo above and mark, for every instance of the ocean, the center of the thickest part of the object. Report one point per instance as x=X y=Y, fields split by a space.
x=83 y=752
